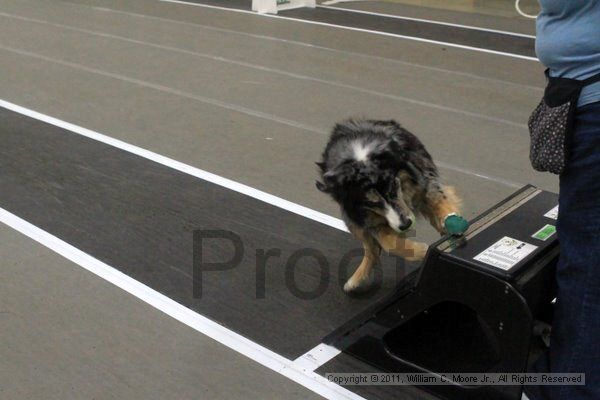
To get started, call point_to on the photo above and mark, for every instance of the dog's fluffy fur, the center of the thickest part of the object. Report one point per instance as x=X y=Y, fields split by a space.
x=381 y=175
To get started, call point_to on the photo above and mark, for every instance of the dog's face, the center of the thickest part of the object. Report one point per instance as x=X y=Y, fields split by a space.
x=369 y=188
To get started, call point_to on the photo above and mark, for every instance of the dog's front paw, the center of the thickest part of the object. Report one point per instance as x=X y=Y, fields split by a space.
x=358 y=285
x=419 y=250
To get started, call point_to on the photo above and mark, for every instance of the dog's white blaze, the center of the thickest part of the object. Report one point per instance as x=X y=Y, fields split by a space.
x=361 y=152
x=392 y=217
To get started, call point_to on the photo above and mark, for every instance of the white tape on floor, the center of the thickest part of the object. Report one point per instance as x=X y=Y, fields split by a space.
x=297 y=372
x=317 y=357
x=429 y=21
x=185 y=168
x=351 y=28
x=426 y=104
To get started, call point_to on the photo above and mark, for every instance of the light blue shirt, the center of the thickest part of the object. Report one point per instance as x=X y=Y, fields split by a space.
x=568 y=41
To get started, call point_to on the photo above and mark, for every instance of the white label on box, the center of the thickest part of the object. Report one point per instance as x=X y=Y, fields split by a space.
x=552 y=213
x=505 y=253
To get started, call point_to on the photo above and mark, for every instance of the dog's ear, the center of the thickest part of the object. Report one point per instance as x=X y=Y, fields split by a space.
x=330 y=179
x=340 y=175
x=322 y=187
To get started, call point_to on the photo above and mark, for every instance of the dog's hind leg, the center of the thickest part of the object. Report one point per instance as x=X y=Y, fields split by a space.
x=397 y=245
x=440 y=201
x=362 y=276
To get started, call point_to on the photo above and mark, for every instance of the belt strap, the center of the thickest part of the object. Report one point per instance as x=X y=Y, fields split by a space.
x=584 y=82
x=590 y=80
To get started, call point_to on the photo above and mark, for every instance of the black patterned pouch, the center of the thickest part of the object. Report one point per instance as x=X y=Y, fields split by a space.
x=551 y=123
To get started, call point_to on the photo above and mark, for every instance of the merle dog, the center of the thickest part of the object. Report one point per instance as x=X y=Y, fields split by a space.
x=381 y=175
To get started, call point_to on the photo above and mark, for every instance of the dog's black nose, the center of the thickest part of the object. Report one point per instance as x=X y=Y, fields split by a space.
x=405 y=223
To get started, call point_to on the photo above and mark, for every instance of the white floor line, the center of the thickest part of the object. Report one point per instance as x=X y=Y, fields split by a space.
x=316 y=357
x=233 y=107
x=370 y=31
x=429 y=21
x=296 y=372
x=331 y=2
x=274 y=71
x=314 y=46
x=465 y=171
x=176 y=92
x=179 y=166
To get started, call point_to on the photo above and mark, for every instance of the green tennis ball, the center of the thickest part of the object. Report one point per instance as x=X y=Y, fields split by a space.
x=456 y=225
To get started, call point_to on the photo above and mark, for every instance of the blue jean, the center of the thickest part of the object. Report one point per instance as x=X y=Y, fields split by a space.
x=575 y=341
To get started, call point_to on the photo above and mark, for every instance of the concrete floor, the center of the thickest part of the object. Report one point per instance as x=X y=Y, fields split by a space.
x=248 y=98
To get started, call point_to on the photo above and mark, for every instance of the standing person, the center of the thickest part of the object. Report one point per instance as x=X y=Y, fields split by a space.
x=568 y=43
